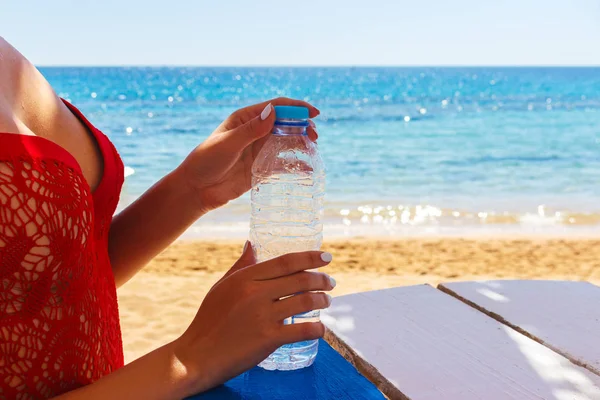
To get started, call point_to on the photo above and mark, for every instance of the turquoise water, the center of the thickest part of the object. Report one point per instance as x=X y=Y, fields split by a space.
x=407 y=149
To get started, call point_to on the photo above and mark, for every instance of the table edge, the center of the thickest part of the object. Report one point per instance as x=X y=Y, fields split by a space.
x=517 y=328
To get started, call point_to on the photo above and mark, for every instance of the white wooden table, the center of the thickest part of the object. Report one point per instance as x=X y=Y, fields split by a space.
x=490 y=340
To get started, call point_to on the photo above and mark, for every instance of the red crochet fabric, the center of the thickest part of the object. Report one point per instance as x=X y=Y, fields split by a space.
x=59 y=321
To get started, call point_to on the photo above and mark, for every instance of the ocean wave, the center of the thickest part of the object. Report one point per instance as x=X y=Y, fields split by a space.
x=432 y=215
x=238 y=213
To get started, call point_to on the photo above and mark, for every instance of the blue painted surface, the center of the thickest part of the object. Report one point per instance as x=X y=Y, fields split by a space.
x=330 y=377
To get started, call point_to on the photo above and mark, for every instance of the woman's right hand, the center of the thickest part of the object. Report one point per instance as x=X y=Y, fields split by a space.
x=240 y=322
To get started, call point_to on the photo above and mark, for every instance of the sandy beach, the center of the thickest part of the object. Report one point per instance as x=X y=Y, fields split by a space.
x=158 y=304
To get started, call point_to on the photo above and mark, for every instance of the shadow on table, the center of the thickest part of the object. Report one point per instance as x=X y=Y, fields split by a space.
x=434 y=347
x=572 y=382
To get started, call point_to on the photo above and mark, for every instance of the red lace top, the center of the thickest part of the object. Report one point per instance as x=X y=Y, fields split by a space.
x=59 y=321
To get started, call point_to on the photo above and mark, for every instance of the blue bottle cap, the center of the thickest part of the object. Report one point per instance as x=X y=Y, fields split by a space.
x=291 y=112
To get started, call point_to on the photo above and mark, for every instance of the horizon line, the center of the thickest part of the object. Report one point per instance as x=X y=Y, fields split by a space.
x=318 y=66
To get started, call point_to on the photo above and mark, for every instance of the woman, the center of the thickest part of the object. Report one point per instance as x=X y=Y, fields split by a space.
x=62 y=254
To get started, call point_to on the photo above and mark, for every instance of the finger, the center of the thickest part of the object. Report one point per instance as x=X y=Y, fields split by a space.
x=246 y=259
x=245 y=114
x=299 y=304
x=312 y=131
x=258 y=127
x=299 y=282
x=300 y=332
x=289 y=264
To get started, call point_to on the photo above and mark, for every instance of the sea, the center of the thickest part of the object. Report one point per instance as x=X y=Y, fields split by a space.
x=411 y=151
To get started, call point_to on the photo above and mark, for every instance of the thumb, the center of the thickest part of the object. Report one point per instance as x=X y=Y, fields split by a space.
x=246 y=259
x=256 y=128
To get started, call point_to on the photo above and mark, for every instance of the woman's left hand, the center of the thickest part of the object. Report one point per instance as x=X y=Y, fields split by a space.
x=220 y=169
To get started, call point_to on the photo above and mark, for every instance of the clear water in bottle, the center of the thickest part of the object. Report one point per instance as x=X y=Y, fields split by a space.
x=288 y=185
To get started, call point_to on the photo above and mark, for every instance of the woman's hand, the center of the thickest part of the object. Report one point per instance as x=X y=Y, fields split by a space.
x=219 y=169
x=240 y=322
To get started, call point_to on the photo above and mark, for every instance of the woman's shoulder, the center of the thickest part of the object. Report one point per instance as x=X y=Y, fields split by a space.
x=29 y=106
x=26 y=97
x=17 y=79
x=8 y=120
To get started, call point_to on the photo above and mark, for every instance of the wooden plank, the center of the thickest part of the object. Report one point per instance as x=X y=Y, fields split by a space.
x=330 y=377
x=564 y=316
x=418 y=343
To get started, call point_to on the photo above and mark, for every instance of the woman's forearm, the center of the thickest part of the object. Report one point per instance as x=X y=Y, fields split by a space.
x=215 y=172
x=158 y=375
x=150 y=224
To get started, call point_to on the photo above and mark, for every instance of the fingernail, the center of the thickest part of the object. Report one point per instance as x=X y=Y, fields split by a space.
x=266 y=112
x=246 y=246
x=326 y=257
x=333 y=283
x=329 y=299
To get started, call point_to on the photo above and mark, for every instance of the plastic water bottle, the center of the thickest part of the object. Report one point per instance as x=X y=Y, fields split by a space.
x=288 y=186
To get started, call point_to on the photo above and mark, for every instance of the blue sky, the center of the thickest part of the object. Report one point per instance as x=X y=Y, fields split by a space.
x=310 y=32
